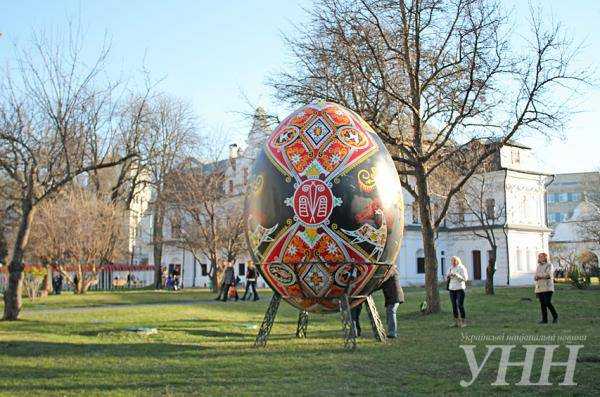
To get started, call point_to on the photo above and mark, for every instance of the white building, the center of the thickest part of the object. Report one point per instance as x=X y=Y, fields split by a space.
x=515 y=190
x=567 y=239
x=238 y=166
x=515 y=186
x=570 y=206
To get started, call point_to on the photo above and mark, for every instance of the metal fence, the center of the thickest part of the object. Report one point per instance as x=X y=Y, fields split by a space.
x=106 y=281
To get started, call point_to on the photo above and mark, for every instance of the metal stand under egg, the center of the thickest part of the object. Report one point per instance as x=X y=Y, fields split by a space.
x=348 y=326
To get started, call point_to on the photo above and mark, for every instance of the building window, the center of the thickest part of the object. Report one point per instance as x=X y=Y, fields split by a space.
x=415 y=212
x=204 y=268
x=563 y=197
x=174 y=269
x=575 y=196
x=519 y=260
x=557 y=216
x=551 y=198
x=245 y=175
x=139 y=230
x=175 y=228
x=490 y=208
x=443 y=264
x=434 y=209
x=516 y=156
x=462 y=208
x=230 y=186
x=420 y=262
x=241 y=268
x=476 y=264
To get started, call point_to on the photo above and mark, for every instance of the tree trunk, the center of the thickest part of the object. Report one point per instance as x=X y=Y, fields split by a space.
x=78 y=287
x=157 y=237
x=3 y=243
x=489 y=271
x=85 y=286
x=428 y=234
x=47 y=283
x=12 y=295
x=214 y=277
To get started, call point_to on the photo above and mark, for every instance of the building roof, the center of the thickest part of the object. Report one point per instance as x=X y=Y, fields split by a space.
x=214 y=166
x=516 y=144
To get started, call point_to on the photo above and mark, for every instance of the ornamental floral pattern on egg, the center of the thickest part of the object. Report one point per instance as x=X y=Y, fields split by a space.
x=324 y=210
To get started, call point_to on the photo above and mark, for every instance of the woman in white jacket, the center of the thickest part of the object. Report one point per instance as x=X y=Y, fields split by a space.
x=544 y=287
x=457 y=277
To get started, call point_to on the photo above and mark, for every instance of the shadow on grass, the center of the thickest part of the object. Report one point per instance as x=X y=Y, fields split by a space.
x=161 y=350
x=96 y=380
x=208 y=333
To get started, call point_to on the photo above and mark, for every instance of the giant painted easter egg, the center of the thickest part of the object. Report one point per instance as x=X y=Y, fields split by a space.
x=324 y=210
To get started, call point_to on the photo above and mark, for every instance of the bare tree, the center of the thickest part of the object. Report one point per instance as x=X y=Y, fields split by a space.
x=478 y=210
x=588 y=224
x=7 y=216
x=564 y=257
x=78 y=231
x=211 y=220
x=232 y=229
x=57 y=119
x=171 y=138
x=431 y=77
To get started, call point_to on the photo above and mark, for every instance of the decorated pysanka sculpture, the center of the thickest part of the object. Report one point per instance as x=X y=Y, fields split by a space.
x=324 y=210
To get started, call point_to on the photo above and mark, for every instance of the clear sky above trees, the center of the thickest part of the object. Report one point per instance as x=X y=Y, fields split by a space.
x=214 y=52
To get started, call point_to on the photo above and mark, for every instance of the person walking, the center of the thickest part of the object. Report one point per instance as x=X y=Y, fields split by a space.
x=228 y=281
x=544 y=287
x=163 y=278
x=456 y=278
x=355 y=315
x=393 y=296
x=58 y=283
x=169 y=282
x=251 y=283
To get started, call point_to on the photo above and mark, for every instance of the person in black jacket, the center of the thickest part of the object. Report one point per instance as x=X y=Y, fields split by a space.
x=228 y=281
x=57 y=283
x=250 y=282
x=393 y=296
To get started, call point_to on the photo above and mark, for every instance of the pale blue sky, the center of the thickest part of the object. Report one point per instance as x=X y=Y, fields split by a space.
x=209 y=52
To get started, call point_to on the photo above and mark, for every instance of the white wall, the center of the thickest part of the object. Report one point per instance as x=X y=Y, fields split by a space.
x=462 y=244
x=524 y=247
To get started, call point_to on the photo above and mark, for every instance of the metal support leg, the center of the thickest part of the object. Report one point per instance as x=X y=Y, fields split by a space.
x=347 y=324
x=265 y=327
x=376 y=324
x=302 y=324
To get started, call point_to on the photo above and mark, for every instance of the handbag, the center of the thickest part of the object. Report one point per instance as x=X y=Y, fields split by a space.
x=232 y=292
x=448 y=281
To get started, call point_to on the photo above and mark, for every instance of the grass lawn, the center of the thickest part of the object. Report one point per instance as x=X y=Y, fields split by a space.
x=71 y=345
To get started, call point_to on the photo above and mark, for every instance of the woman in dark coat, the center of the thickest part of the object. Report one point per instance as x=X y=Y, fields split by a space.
x=393 y=296
x=251 y=282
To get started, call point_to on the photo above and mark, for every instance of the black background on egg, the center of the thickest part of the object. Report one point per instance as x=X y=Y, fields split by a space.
x=275 y=189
